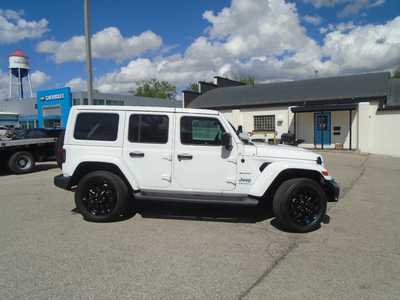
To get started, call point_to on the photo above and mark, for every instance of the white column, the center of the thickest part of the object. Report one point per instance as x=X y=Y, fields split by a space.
x=11 y=83
x=363 y=126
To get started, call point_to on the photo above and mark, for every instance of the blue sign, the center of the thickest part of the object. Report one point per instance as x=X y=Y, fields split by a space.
x=54 y=105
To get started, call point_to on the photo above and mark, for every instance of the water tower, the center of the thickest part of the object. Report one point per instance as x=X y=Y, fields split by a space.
x=19 y=74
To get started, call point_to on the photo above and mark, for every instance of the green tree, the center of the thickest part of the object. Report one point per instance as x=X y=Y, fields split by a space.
x=193 y=87
x=156 y=89
x=396 y=73
x=248 y=80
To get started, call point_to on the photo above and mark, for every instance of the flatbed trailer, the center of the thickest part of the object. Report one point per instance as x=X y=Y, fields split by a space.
x=21 y=155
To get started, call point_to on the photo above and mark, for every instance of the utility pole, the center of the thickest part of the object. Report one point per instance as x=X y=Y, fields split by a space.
x=88 y=49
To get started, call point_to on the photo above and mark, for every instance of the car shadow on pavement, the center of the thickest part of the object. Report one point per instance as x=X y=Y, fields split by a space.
x=38 y=168
x=203 y=212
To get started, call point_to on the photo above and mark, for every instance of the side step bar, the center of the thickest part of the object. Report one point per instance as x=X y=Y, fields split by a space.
x=190 y=198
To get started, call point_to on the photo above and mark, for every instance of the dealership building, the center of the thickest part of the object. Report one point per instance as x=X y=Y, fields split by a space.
x=357 y=112
x=50 y=108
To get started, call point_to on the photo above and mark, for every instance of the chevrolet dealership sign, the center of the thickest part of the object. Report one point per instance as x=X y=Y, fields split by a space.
x=52 y=97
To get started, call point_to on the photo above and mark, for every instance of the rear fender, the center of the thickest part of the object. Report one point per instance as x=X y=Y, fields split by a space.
x=281 y=169
x=108 y=161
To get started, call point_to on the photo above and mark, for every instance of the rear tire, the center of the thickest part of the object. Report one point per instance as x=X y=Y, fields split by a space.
x=21 y=162
x=102 y=196
x=299 y=205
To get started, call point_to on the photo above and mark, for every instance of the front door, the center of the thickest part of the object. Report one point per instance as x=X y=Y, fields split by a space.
x=322 y=128
x=148 y=148
x=201 y=163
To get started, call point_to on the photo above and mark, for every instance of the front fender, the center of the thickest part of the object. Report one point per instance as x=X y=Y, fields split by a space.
x=274 y=169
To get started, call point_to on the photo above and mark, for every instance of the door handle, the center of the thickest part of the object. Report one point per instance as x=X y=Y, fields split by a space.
x=136 y=154
x=185 y=156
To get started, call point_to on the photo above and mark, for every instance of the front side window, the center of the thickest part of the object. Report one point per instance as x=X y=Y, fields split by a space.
x=264 y=123
x=201 y=131
x=96 y=126
x=152 y=129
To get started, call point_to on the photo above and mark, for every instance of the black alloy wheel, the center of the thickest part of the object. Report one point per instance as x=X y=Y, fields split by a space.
x=305 y=206
x=100 y=197
x=299 y=205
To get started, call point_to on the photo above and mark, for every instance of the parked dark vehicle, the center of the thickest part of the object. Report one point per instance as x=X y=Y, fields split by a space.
x=36 y=133
x=26 y=147
x=290 y=139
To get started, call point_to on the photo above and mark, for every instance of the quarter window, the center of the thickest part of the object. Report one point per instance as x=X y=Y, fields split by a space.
x=201 y=131
x=264 y=123
x=96 y=126
x=152 y=129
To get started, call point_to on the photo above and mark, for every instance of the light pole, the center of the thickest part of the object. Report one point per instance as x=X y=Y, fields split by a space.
x=88 y=49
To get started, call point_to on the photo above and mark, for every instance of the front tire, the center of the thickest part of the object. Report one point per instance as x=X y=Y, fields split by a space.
x=101 y=196
x=300 y=205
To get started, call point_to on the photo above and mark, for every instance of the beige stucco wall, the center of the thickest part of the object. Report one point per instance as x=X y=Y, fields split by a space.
x=373 y=131
x=379 y=130
x=245 y=117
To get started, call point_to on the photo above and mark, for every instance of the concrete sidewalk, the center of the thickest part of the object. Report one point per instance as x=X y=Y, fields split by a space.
x=356 y=256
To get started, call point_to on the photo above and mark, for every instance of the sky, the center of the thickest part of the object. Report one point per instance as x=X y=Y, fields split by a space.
x=184 y=41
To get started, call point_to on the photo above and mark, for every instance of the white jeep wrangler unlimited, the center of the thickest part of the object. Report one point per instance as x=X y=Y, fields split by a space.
x=113 y=156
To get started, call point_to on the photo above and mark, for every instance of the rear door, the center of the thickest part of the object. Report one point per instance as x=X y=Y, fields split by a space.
x=148 y=148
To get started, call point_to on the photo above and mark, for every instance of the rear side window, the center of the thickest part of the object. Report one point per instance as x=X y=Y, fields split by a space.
x=96 y=126
x=152 y=129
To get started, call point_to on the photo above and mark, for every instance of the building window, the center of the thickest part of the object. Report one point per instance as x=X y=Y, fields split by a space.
x=85 y=101
x=76 y=101
x=201 y=131
x=96 y=126
x=264 y=123
x=98 y=101
x=52 y=123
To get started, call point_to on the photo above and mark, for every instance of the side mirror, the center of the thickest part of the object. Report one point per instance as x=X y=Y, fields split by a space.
x=226 y=140
x=244 y=137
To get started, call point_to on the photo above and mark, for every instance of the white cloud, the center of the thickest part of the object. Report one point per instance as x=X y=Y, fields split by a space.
x=354 y=7
x=325 y=3
x=77 y=84
x=14 y=28
x=106 y=44
x=365 y=48
x=349 y=7
x=343 y=27
x=248 y=37
x=38 y=78
x=314 y=20
x=271 y=45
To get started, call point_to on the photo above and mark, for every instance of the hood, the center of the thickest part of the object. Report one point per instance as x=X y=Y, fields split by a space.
x=285 y=152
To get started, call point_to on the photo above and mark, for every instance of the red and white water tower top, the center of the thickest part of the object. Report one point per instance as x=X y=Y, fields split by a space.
x=18 y=65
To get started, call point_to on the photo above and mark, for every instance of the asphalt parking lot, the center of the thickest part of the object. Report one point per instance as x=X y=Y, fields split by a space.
x=193 y=252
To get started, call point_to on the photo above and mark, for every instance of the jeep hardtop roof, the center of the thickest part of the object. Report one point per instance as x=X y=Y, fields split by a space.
x=144 y=109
